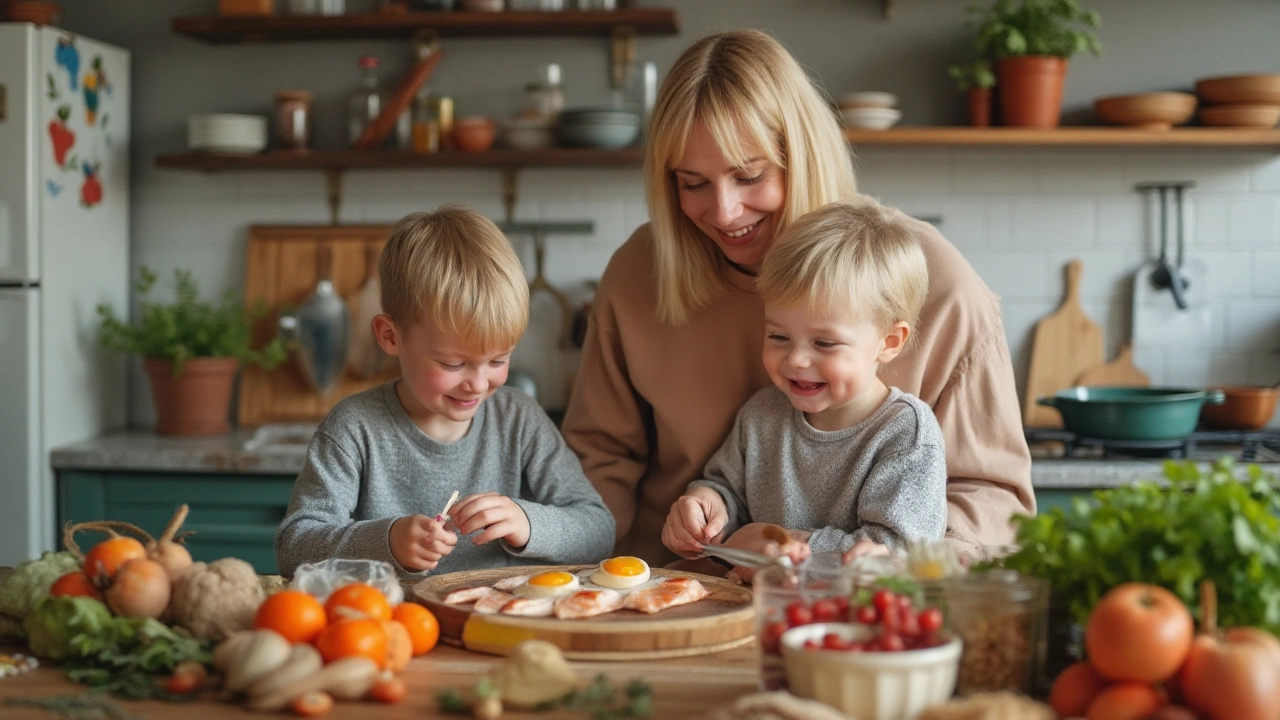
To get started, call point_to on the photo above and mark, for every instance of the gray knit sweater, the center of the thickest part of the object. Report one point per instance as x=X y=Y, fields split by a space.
x=883 y=479
x=369 y=464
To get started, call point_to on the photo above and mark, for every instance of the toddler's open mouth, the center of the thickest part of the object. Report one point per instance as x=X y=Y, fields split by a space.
x=801 y=387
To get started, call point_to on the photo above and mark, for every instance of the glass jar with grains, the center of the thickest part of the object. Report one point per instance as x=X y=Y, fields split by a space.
x=1000 y=616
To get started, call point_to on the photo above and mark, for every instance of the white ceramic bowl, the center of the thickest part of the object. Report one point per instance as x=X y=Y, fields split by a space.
x=529 y=133
x=871 y=118
x=869 y=685
x=868 y=99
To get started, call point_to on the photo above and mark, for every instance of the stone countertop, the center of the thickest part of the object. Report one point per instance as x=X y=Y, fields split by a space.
x=281 y=450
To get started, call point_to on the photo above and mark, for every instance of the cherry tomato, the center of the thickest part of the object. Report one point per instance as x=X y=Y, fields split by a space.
x=883 y=599
x=770 y=640
x=866 y=614
x=825 y=610
x=832 y=641
x=799 y=614
x=930 y=620
x=891 y=642
x=842 y=604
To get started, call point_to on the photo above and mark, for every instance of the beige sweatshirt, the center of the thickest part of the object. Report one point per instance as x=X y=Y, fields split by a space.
x=652 y=402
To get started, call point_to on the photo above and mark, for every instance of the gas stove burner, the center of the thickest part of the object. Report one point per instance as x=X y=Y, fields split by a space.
x=1243 y=444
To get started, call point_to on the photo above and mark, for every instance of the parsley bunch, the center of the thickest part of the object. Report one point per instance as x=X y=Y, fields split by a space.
x=125 y=655
x=1219 y=525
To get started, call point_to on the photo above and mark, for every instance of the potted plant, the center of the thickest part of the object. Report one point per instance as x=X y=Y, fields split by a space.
x=1029 y=43
x=191 y=350
x=975 y=79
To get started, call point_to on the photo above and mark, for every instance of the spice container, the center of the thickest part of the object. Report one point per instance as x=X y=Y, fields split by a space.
x=426 y=127
x=1000 y=616
x=293 y=120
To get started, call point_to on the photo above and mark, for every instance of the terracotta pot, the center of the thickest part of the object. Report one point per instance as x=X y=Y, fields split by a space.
x=979 y=101
x=195 y=402
x=1031 y=90
x=32 y=11
x=1243 y=408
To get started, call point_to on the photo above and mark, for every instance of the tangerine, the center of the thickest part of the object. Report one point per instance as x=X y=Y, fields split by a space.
x=105 y=559
x=75 y=584
x=1074 y=689
x=359 y=599
x=421 y=623
x=364 y=637
x=295 y=614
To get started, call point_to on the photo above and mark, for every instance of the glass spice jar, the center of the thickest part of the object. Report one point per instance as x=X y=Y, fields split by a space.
x=1000 y=616
x=293 y=120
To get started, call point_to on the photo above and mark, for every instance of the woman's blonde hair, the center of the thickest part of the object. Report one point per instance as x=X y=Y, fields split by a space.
x=859 y=257
x=456 y=268
x=751 y=94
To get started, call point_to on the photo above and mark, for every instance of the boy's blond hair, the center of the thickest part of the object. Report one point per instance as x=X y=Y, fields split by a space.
x=860 y=257
x=455 y=268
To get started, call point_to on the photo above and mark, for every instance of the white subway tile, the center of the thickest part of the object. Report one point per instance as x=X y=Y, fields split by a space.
x=1106 y=274
x=1019 y=275
x=1047 y=223
x=1188 y=369
x=1228 y=369
x=964 y=222
x=1266 y=273
x=883 y=170
x=992 y=174
x=1207 y=221
x=1214 y=171
x=999 y=223
x=1253 y=325
x=1078 y=173
x=1264 y=367
x=293 y=185
x=1152 y=361
x=1230 y=274
x=1121 y=221
x=1266 y=174
x=1253 y=220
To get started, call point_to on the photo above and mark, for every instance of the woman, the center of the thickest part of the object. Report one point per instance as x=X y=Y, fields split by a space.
x=741 y=144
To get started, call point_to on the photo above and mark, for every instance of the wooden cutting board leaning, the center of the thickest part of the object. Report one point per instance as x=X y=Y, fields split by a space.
x=724 y=619
x=1066 y=344
x=1120 y=372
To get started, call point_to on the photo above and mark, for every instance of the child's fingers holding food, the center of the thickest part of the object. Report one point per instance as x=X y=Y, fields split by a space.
x=480 y=511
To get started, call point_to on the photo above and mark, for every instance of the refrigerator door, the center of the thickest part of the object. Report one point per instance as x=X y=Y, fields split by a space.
x=19 y=155
x=26 y=492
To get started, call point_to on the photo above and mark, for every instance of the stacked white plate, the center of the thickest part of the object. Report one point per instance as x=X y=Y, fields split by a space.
x=226 y=133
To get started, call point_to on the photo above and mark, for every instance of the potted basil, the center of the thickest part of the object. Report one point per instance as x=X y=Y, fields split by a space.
x=191 y=350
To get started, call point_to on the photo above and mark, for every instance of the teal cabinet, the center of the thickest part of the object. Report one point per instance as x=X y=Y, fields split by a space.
x=1046 y=499
x=231 y=515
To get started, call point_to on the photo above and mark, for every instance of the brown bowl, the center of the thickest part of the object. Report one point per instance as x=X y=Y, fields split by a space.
x=1246 y=407
x=1244 y=116
x=474 y=134
x=1150 y=111
x=1242 y=89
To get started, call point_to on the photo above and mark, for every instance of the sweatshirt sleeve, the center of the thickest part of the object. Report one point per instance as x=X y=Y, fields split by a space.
x=568 y=521
x=726 y=474
x=318 y=524
x=606 y=421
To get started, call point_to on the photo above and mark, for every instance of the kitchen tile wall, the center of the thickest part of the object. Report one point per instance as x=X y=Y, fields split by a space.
x=1018 y=216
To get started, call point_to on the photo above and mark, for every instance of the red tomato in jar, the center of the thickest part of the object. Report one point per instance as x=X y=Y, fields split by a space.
x=1138 y=632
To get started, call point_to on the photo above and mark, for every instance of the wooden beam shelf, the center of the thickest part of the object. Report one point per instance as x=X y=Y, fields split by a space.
x=1189 y=137
x=389 y=159
x=222 y=30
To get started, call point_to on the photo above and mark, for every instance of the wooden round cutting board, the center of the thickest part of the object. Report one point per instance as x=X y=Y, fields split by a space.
x=722 y=620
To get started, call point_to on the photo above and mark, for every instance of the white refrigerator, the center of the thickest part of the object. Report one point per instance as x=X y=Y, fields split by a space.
x=64 y=248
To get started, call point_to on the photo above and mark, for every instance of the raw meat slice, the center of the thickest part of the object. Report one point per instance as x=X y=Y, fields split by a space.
x=468 y=595
x=493 y=602
x=586 y=603
x=511 y=583
x=668 y=593
x=529 y=607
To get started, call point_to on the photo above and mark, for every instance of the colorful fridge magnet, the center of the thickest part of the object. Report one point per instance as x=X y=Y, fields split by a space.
x=53 y=86
x=62 y=136
x=91 y=190
x=53 y=188
x=95 y=81
x=68 y=57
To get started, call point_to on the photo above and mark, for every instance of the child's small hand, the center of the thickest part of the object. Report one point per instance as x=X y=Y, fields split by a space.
x=698 y=516
x=863 y=548
x=499 y=516
x=419 y=542
x=755 y=537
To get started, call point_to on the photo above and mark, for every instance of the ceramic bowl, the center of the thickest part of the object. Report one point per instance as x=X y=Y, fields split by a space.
x=868 y=99
x=1245 y=116
x=529 y=133
x=1150 y=111
x=869 y=685
x=871 y=118
x=1240 y=89
x=1244 y=407
x=474 y=133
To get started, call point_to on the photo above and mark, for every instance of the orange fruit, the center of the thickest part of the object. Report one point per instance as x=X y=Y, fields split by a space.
x=74 y=584
x=399 y=645
x=105 y=559
x=1125 y=701
x=422 y=625
x=358 y=599
x=1074 y=689
x=296 y=615
x=364 y=637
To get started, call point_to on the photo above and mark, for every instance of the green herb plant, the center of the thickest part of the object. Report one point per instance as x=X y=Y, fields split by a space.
x=1013 y=28
x=973 y=74
x=126 y=655
x=1217 y=524
x=188 y=327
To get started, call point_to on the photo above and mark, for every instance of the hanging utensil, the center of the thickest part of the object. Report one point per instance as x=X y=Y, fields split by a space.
x=320 y=330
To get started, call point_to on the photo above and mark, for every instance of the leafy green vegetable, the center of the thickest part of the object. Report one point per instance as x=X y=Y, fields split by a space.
x=30 y=581
x=124 y=656
x=188 y=327
x=55 y=622
x=1219 y=525
x=1014 y=28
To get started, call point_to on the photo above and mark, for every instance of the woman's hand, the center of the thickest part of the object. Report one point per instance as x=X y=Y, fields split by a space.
x=763 y=538
x=697 y=517
x=419 y=542
x=863 y=548
x=498 y=515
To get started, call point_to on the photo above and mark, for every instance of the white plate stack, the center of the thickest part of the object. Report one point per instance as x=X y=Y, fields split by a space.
x=226 y=133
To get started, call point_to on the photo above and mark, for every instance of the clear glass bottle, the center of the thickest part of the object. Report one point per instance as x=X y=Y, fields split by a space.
x=365 y=104
x=426 y=127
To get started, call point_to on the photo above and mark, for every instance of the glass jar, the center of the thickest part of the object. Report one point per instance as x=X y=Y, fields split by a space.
x=365 y=103
x=426 y=127
x=546 y=97
x=293 y=120
x=784 y=598
x=1000 y=616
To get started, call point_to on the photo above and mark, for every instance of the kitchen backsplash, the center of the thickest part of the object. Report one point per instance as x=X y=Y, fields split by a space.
x=1018 y=216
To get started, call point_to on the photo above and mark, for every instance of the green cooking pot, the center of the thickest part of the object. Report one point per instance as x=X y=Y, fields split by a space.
x=1131 y=413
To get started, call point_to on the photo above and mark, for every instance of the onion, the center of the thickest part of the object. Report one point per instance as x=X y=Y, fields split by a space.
x=141 y=589
x=172 y=555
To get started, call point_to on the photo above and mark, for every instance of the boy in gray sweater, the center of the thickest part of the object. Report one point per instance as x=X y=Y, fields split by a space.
x=842 y=461
x=383 y=464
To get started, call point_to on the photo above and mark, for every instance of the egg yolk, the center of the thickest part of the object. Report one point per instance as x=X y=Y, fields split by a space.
x=554 y=578
x=624 y=566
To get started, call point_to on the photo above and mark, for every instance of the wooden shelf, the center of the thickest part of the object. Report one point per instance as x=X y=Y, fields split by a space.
x=387 y=159
x=223 y=30
x=1241 y=138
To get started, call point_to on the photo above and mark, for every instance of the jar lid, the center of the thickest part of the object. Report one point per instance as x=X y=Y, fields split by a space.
x=302 y=95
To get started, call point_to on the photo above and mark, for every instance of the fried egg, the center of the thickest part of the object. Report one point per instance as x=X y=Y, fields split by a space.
x=549 y=584
x=621 y=573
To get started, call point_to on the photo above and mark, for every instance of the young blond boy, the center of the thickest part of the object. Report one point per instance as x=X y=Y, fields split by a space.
x=831 y=453
x=384 y=462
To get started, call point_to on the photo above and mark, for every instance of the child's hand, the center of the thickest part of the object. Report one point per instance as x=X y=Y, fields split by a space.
x=419 y=542
x=696 y=517
x=757 y=537
x=499 y=516
x=863 y=548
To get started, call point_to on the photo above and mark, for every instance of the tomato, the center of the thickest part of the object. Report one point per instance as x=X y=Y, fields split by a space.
x=298 y=616
x=1138 y=632
x=388 y=689
x=883 y=599
x=187 y=677
x=799 y=614
x=312 y=704
x=867 y=615
x=1125 y=701
x=105 y=559
x=770 y=639
x=826 y=610
x=930 y=620
x=1074 y=689
x=75 y=584
x=422 y=625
